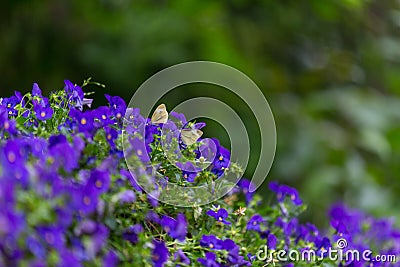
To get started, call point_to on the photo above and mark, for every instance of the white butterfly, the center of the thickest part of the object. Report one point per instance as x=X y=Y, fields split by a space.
x=190 y=136
x=160 y=115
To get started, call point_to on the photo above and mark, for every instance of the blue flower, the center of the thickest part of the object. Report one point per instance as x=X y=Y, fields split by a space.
x=322 y=244
x=132 y=232
x=211 y=242
x=221 y=160
x=219 y=216
x=117 y=106
x=209 y=260
x=283 y=190
x=75 y=95
x=175 y=228
x=139 y=148
x=153 y=217
x=288 y=227
x=84 y=120
x=111 y=135
x=99 y=180
x=36 y=247
x=189 y=171
x=126 y=174
x=9 y=104
x=110 y=259
x=246 y=185
x=180 y=256
x=67 y=258
x=102 y=116
x=235 y=259
x=254 y=223
x=52 y=236
x=271 y=241
x=160 y=254
x=181 y=117
x=84 y=201
x=14 y=152
x=36 y=90
x=42 y=112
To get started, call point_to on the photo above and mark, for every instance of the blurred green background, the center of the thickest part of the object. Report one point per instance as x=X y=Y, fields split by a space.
x=329 y=69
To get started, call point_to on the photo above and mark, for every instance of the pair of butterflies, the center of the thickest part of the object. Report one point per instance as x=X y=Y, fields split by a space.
x=188 y=136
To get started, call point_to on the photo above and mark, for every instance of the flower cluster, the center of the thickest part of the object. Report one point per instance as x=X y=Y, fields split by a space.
x=68 y=198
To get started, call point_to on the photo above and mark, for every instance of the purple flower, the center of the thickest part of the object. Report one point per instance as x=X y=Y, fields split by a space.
x=127 y=196
x=20 y=98
x=43 y=113
x=133 y=117
x=307 y=233
x=70 y=88
x=75 y=95
x=175 y=228
x=110 y=259
x=14 y=152
x=254 y=223
x=152 y=197
x=160 y=254
x=211 y=242
x=62 y=154
x=150 y=131
x=199 y=125
x=67 y=258
x=131 y=179
x=251 y=257
x=117 y=106
x=86 y=227
x=99 y=180
x=189 y=171
x=180 y=256
x=271 y=241
x=283 y=190
x=86 y=200
x=181 y=117
x=52 y=236
x=153 y=217
x=57 y=139
x=111 y=135
x=36 y=90
x=6 y=124
x=10 y=104
x=84 y=120
x=97 y=241
x=209 y=260
x=228 y=244
x=3 y=114
x=132 y=232
x=219 y=216
x=287 y=227
x=222 y=159
x=139 y=149
x=20 y=175
x=36 y=247
x=235 y=259
x=246 y=186
x=102 y=116
x=323 y=244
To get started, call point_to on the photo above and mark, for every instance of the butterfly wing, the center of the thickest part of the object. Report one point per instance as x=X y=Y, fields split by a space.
x=160 y=115
x=190 y=136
